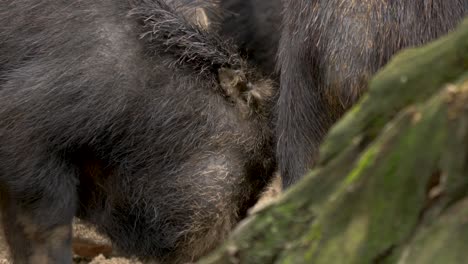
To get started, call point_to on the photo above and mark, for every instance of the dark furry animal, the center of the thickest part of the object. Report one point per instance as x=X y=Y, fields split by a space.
x=125 y=114
x=328 y=51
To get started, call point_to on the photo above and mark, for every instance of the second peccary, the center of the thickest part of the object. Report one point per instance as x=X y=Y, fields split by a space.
x=328 y=51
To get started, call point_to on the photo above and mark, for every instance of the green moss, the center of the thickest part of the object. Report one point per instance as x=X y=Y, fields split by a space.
x=364 y=162
x=313 y=238
x=444 y=240
x=425 y=70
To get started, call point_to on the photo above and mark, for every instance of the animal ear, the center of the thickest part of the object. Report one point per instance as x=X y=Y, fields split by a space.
x=201 y=18
x=233 y=82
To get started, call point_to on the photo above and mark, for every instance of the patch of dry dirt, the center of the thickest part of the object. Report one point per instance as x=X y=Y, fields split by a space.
x=89 y=248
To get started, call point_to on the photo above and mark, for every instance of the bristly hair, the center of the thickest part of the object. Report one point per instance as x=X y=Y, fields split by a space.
x=166 y=30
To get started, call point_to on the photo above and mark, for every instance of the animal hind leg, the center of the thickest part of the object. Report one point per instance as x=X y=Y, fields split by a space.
x=37 y=213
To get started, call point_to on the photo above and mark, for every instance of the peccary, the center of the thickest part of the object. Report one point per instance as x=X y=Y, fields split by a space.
x=328 y=51
x=129 y=116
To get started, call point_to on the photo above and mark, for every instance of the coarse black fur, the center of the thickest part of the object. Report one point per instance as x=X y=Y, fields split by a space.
x=328 y=51
x=125 y=114
x=255 y=27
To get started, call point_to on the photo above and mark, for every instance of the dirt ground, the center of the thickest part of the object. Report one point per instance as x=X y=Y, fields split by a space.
x=90 y=247
x=93 y=248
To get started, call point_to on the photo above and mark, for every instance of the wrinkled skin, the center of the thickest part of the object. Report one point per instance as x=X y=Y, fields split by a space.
x=328 y=51
x=125 y=114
